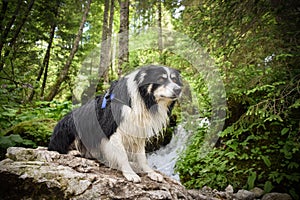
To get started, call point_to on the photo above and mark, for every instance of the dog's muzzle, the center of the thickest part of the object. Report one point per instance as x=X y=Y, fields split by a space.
x=177 y=91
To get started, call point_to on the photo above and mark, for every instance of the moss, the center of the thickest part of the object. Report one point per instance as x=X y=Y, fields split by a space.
x=36 y=130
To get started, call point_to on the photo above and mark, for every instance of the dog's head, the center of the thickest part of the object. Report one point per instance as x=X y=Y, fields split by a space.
x=159 y=84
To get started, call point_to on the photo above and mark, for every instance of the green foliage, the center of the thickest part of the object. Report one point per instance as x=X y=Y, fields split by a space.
x=29 y=125
x=261 y=148
x=249 y=156
x=24 y=41
x=13 y=140
x=13 y=114
x=37 y=130
x=259 y=145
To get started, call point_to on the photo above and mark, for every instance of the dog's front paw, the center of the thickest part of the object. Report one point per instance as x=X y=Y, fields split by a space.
x=131 y=176
x=155 y=176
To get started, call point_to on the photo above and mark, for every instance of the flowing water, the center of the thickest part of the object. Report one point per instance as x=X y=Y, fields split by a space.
x=164 y=159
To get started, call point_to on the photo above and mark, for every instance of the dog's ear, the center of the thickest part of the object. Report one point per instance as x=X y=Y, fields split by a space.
x=178 y=71
x=179 y=74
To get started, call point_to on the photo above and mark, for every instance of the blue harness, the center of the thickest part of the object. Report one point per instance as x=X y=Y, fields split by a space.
x=105 y=98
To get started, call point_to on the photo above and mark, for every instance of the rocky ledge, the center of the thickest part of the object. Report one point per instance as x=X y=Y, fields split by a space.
x=41 y=174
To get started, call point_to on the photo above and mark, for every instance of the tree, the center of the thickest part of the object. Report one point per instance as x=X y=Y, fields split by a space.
x=45 y=64
x=105 y=46
x=64 y=72
x=123 y=36
x=105 y=57
x=160 y=36
x=110 y=30
x=12 y=27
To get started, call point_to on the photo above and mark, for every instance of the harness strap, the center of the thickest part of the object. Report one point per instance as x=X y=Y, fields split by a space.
x=105 y=98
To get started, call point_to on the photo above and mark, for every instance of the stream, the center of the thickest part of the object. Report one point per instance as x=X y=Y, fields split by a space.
x=164 y=159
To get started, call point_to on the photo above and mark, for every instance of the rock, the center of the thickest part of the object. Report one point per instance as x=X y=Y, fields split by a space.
x=207 y=193
x=229 y=192
x=41 y=174
x=198 y=195
x=229 y=189
x=258 y=192
x=277 y=196
x=206 y=190
x=244 y=195
x=212 y=194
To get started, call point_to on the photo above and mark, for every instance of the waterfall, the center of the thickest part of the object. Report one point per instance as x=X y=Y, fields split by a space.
x=164 y=159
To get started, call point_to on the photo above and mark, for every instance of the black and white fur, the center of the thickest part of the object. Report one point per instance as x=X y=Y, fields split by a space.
x=114 y=127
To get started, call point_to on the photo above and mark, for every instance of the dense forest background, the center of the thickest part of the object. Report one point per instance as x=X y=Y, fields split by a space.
x=46 y=45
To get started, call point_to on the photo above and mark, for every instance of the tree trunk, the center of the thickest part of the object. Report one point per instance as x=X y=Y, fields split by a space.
x=45 y=65
x=162 y=57
x=47 y=56
x=160 y=42
x=110 y=30
x=105 y=45
x=5 y=31
x=123 y=36
x=106 y=49
x=3 y=11
x=64 y=73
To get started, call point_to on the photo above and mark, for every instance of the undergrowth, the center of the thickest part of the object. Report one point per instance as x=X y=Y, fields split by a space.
x=29 y=125
x=260 y=149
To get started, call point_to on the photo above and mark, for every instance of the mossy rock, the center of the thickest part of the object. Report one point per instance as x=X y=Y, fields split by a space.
x=37 y=130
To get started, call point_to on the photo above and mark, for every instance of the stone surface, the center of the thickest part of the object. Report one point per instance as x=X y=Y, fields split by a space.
x=277 y=196
x=258 y=192
x=244 y=195
x=41 y=174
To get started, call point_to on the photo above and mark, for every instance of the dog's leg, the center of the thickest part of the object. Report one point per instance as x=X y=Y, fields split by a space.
x=143 y=164
x=114 y=152
x=63 y=135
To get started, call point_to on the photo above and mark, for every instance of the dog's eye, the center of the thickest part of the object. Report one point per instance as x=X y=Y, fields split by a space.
x=174 y=79
x=161 y=79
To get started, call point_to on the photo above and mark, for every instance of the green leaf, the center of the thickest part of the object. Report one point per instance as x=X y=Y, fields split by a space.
x=231 y=155
x=251 y=180
x=293 y=193
x=8 y=114
x=293 y=165
x=266 y=160
x=5 y=142
x=268 y=187
x=296 y=104
x=284 y=131
x=16 y=138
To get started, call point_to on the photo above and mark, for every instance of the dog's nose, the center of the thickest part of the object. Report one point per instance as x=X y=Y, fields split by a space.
x=177 y=91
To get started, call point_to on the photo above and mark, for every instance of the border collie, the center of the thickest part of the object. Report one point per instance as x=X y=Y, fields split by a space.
x=113 y=128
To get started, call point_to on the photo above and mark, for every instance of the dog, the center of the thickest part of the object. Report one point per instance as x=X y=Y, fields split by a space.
x=114 y=127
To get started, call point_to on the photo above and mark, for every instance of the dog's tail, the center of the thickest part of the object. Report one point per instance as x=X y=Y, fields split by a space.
x=63 y=135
